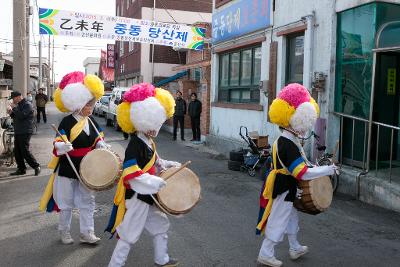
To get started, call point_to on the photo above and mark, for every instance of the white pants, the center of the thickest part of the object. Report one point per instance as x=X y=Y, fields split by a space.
x=139 y=216
x=68 y=194
x=283 y=219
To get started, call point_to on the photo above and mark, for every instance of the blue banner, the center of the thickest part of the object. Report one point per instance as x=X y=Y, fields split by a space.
x=242 y=17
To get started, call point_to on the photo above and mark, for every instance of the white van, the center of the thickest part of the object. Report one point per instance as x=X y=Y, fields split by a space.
x=116 y=96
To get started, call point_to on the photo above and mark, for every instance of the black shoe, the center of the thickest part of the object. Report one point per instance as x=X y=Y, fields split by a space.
x=37 y=170
x=174 y=139
x=183 y=139
x=18 y=172
x=191 y=140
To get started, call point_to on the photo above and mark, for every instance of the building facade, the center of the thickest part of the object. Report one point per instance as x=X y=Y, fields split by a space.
x=328 y=46
x=134 y=62
x=91 y=65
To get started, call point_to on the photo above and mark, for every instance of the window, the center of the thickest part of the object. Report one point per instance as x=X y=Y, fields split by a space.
x=131 y=46
x=122 y=68
x=121 y=49
x=127 y=5
x=117 y=11
x=295 y=58
x=195 y=74
x=239 y=75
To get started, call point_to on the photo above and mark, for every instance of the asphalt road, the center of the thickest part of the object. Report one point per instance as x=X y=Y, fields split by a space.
x=218 y=232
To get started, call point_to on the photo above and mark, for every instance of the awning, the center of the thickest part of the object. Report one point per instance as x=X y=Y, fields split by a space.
x=172 y=78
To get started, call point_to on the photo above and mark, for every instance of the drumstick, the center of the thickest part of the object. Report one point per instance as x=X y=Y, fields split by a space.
x=69 y=159
x=177 y=170
x=97 y=131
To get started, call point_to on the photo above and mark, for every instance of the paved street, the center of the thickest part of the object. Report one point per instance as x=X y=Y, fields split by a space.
x=218 y=232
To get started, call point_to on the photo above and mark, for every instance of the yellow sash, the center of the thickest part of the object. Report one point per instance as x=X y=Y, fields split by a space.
x=48 y=192
x=269 y=187
x=119 y=198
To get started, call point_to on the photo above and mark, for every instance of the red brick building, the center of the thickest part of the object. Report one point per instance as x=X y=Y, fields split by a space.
x=134 y=60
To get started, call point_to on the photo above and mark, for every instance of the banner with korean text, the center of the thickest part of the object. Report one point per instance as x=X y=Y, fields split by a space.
x=77 y=24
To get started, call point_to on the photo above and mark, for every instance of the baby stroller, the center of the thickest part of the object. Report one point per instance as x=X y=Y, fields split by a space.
x=255 y=158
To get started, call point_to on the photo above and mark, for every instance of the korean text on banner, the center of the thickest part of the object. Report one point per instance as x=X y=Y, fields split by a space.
x=77 y=24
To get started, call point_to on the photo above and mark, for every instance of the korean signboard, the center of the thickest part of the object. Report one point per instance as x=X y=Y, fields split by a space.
x=77 y=24
x=391 y=81
x=242 y=17
x=110 y=56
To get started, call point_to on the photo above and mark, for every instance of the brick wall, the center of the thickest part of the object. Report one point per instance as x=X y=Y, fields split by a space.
x=165 y=54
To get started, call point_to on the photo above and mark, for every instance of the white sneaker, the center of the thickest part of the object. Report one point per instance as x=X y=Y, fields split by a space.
x=269 y=261
x=66 y=238
x=89 y=238
x=297 y=253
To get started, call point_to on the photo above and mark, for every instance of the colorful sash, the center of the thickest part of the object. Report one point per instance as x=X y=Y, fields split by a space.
x=119 y=208
x=47 y=202
x=266 y=199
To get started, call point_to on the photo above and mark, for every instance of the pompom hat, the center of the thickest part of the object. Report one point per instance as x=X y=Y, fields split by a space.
x=295 y=108
x=145 y=108
x=76 y=89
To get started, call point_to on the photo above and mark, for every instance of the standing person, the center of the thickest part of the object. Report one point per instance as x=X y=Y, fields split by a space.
x=295 y=112
x=179 y=115
x=142 y=114
x=21 y=112
x=41 y=100
x=194 y=113
x=77 y=93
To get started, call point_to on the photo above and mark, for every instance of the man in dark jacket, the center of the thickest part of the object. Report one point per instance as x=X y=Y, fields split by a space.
x=22 y=113
x=41 y=100
x=179 y=115
x=194 y=113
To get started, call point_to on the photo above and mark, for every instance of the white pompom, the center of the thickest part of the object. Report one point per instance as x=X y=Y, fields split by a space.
x=75 y=96
x=148 y=115
x=304 y=118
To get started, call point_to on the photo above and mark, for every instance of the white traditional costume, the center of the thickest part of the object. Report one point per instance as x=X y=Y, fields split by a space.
x=295 y=112
x=78 y=137
x=141 y=114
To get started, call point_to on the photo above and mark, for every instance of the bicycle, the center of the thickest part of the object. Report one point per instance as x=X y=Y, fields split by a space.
x=327 y=159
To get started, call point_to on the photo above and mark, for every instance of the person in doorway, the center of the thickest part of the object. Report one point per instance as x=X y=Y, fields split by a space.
x=194 y=113
x=179 y=115
x=80 y=134
x=295 y=112
x=21 y=112
x=41 y=100
x=143 y=112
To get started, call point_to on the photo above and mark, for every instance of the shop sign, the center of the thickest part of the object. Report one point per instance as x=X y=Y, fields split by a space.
x=110 y=56
x=239 y=18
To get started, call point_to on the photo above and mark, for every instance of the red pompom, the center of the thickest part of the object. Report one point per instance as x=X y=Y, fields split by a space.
x=139 y=92
x=72 y=77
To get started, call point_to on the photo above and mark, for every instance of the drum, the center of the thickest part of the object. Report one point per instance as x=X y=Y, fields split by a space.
x=316 y=197
x=181 y=193
x=100 y=169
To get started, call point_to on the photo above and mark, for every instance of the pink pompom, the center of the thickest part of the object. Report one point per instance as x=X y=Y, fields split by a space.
x=72 y=77
x=295 y=94
x=139 y=92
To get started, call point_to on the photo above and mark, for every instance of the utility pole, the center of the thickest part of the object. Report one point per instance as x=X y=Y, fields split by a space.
x=20 y=66
x=40 y=63
x=49 y=68
x=152 y=46
x=52 y=71
x=28 y=63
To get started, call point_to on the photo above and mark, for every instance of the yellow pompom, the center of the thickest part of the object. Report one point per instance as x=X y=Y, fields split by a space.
x=58 y=101
x=166 y=100
x=312 y=101
x=280 y=112
x=124 y=117
x=95 y=85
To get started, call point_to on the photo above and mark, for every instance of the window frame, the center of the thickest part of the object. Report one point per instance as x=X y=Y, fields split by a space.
x=290 y=37
x=242 y=89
